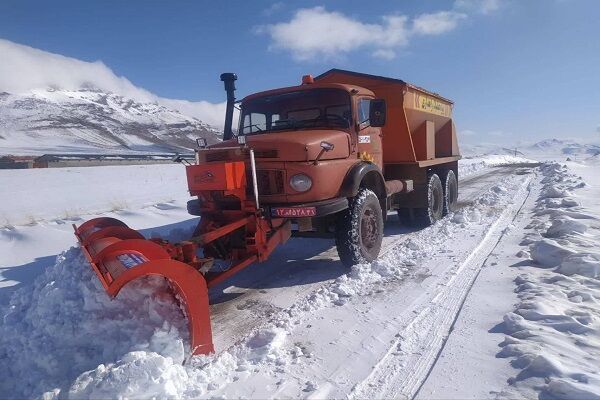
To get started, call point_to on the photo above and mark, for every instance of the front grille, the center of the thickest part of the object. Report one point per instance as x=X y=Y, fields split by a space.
x=217 y=156
x=269 y=181
x=266 y=153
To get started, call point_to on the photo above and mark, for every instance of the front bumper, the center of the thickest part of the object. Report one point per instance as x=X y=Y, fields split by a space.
x=321 y=208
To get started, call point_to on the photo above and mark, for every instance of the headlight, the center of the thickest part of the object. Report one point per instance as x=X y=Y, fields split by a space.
x=300 y=182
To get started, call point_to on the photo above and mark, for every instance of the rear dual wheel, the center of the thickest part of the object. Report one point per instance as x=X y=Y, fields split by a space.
x=450 y=192
x=434 y=211
x=359 y=229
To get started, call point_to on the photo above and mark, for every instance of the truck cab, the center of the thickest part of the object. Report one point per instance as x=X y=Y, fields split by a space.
x=306 y=139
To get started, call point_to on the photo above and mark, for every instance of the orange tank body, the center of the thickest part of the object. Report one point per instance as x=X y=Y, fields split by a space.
x=419 y=123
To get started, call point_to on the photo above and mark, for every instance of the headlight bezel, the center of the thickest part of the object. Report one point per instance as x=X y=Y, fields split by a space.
x=301 y=183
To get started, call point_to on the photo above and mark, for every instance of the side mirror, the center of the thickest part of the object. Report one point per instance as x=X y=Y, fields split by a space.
x=241 y=139
x=201 y=142
x=377 y=111
x=326 y=146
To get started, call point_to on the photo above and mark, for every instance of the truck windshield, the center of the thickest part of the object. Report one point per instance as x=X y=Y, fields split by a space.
x=302 y=109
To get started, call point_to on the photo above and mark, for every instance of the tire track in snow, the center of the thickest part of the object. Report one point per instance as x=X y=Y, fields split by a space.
x=462 y=303
x=423 y=336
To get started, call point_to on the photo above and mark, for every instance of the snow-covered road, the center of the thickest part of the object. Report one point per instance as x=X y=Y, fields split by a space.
x=298 y=325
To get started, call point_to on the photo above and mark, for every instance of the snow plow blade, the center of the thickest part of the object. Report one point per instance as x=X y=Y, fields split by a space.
x=119 y=255
x=233 y=231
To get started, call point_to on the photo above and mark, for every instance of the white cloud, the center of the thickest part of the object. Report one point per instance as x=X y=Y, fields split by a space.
x=210 y=113
x=467 y=132
x=384 y=54
x=24 y=68
x=499 y=133
x=437 y=23
x=480 y=6
x=316 y=32
x=273 y=8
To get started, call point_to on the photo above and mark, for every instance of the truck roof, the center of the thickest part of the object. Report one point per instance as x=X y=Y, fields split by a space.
x=382 y=78
x=321 y=85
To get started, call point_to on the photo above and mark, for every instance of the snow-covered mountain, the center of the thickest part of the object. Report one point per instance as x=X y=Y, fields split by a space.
x=53 y=103
x=566 y=147
x=92 y=120
x=548 y=148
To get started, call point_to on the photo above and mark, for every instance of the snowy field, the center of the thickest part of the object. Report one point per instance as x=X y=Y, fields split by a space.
x=499 y=299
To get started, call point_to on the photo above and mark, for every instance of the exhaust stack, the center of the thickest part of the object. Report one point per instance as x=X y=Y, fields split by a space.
x=229 y=80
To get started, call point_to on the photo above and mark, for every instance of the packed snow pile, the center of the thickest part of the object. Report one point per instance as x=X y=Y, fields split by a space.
x=65 y=324
x=554 y=332
x=469 y=166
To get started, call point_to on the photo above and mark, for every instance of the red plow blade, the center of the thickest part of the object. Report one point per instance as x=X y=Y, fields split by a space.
x=119 y=254
x=232 y=228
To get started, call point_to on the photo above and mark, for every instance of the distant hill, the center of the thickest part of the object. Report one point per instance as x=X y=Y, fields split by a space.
x=566 y=147
x=548 y=147
x=49 y=120
x=53 y=103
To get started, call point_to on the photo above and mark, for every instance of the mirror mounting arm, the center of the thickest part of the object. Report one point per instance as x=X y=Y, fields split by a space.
x=325 y=147
x=362 y=125
x=179 y=159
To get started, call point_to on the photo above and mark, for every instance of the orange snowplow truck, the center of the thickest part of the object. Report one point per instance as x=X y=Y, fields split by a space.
x=328 y=158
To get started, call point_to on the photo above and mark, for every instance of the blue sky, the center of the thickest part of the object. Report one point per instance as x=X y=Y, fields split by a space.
x=517 y=70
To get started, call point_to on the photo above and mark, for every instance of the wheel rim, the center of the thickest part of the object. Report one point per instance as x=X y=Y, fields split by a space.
x=452 y=194
x=369 y=228
x=437 y=201
x=452 y=197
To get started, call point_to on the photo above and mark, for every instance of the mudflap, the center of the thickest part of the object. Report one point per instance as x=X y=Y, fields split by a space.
x=119 y=255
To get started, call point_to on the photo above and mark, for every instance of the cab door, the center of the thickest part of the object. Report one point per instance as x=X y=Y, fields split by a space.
x=369 y=138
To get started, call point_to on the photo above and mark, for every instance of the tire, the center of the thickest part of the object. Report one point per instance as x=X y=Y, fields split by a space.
x=359 y=229
x=422 y=217
x=405 y=217
x=450 y=192
x=193 y=207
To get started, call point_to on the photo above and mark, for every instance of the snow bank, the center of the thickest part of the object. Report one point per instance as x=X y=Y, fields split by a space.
x=553 y=335
x=472 y=165
x=39 y=194
x=65 y=324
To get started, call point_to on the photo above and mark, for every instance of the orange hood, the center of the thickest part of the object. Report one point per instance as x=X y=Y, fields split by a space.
x=303 y=145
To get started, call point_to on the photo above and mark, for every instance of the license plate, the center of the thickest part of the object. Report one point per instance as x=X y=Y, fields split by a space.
x=294 y=212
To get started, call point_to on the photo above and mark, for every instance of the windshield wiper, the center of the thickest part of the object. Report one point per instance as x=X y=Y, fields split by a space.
x=284 y=124
x=329 y=120
x=253 y=125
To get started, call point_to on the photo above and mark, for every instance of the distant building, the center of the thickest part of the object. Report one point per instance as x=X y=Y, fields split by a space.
x=16 y=162
x=92 y=160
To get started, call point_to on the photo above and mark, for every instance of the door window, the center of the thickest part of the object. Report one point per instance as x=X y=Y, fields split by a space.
x=363 y=111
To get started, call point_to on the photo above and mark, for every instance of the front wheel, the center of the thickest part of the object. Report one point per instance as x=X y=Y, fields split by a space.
x=359 y=229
